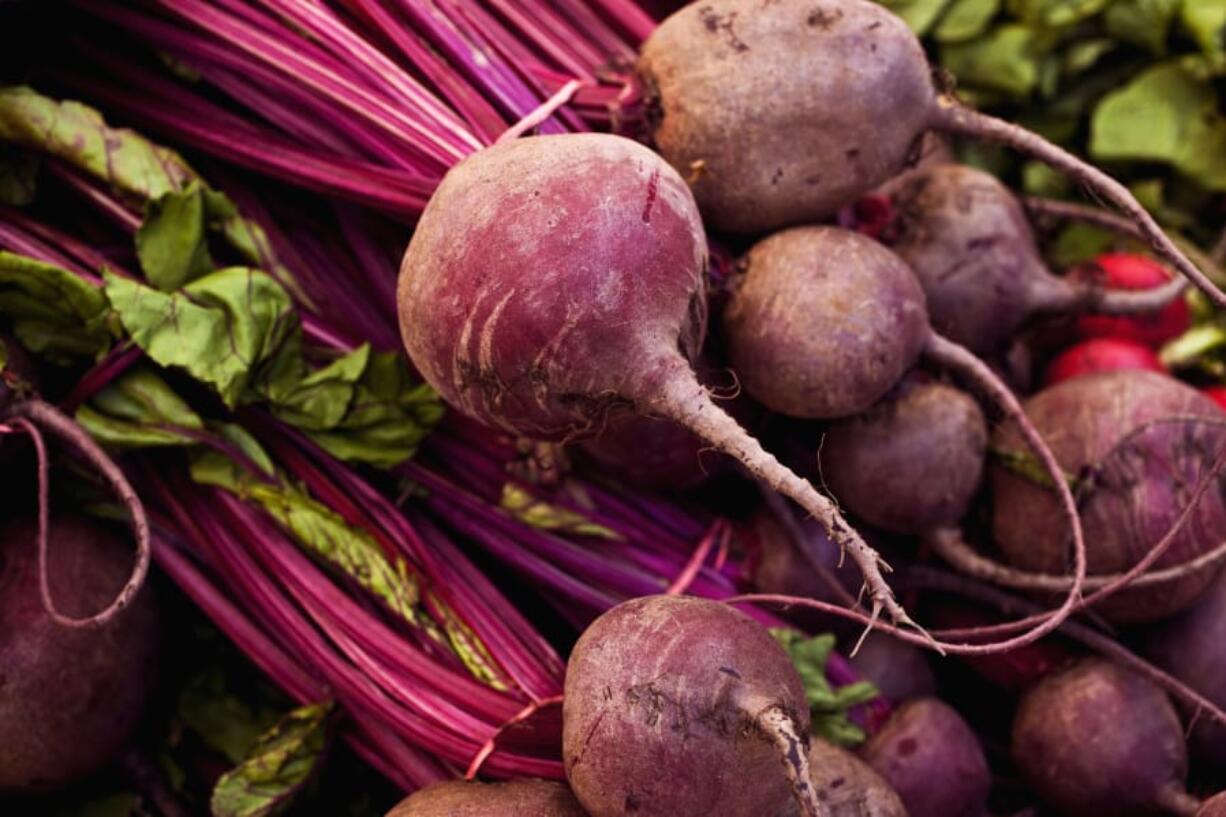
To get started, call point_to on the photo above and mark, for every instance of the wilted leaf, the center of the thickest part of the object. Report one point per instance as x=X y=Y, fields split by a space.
x=53 y=312
x=18 y=176
x=225 y=722
x=540 y=514
x=77 y=134
x=319 y=530
x=116 y=804
x=218 y=328
x=276 y=768
x=828 y=705
x=139 y=410
x=1007 y=59
x=1164 y=115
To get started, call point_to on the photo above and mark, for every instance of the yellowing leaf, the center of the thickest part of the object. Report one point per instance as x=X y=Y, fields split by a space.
x=540 y=514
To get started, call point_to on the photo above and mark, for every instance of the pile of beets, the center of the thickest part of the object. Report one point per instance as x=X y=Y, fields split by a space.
x=911 y=388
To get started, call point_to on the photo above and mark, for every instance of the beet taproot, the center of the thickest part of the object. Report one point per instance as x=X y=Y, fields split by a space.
x=684 y=707
x=1097 y=740
x=929 y=755
x=967 y=237
x=69 y=698
x=554 y=282
x=912 y=462
x=515 y=798
x=1137 y=441
x=782 y=113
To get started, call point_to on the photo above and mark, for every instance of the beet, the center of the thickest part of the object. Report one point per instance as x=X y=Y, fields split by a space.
x=1101 y=355
x=1120 y=270
x=781 y=113
x=1213 y=807
x=684 y=707
x=1217 y=394
x=1139 y=436
x=1189 y=647
x=1097 y=740
x=517 y=798
x=912 y=462
x=847 y=786
x=967 y=238
x=898 y=670
x=555 y=282
x=866 y=301
x=69 y=699
x=933 y=760
x=780 y=567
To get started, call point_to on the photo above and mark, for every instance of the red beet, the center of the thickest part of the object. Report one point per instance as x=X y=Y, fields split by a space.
x=556 y=282
x=932 y=759
x=898 y=670
x=1138 y=434
x=1101 y=355
x=912 y=462
x=1213 y=807
x=517 y=798
x=1217 y=394
x=69 y=698
x=683 y=707
x=1097 y=740
x=1190 y=648
x=849 y=787
x=1135 y=272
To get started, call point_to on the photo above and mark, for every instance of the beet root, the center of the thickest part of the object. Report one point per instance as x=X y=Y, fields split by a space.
x=932 y=759
x=824 y=322
x=968 y=240
x=1134 y=439
x=1213 y=807
x=912 y=462
x=683 y=707
x=555 y=282
x=781 y=113
x=847 y=786
x=1097 y=740
x=1189 y=647
x=516 y=798
x=69 y=699
x=899 y=670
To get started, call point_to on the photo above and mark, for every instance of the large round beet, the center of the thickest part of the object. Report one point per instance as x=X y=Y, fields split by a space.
x=847 y=786
x=1189 y=647
x=912 y=462
x=1099 y=741
x=1138 y=442
x=682 y=707
x=69 y=698
x=516 y=798
x=740 y=108
x=823 y=322
x=899 y=670
x=932 y=759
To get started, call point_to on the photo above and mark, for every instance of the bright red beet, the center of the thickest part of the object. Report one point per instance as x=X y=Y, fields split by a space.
x=1217 y=394
x=1128 y=271
x=1101 y=355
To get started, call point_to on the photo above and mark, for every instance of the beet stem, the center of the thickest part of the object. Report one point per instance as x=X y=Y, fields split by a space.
x=795 y=752
x=38 y=413
x=954 y=117
x=685 y=401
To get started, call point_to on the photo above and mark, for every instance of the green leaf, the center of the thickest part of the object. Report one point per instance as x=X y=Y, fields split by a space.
x=54 y=312
x=318 y=529
x=1055 y=13
x=227 y=724
x=1164 y=115
x=1083 y=55
x=139 y=410
x=540 y=514
x=115 y=804
x=1144 y=23
x=918 y=14
x=828 y=705
x=78 y=134
x=1039 y=179
x=318 y=400
x=172 y=242
x=966 y=20
x=18 y=176
x=1007 y=59
x=277 y=767
x=242 y=439
x=1205 y=20
x=218 y=328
